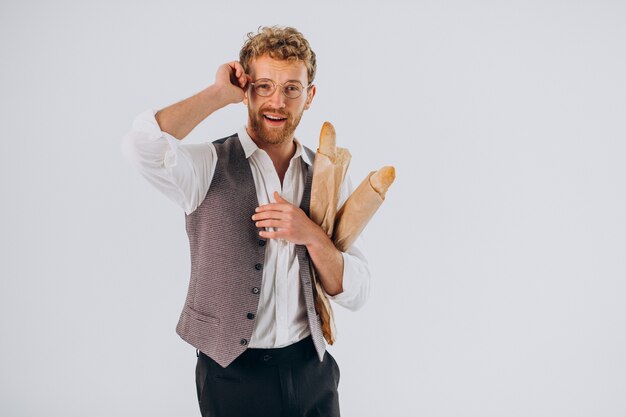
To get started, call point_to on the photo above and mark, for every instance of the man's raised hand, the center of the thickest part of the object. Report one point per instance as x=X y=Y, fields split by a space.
x=231 y=79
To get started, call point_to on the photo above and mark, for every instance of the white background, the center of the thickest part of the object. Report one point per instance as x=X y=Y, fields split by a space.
x=499 y=257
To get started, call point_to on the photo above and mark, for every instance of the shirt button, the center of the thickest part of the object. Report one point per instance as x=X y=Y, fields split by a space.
x=258 y=267
x=243 y=342
x=261 y=243
x=255 y=290
x=250 y=316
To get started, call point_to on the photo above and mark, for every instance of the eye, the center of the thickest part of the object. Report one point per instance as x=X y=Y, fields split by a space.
x=264 y=87
x=292 y=88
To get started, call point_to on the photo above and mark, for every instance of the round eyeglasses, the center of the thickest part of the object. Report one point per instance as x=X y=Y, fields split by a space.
x=265 y=87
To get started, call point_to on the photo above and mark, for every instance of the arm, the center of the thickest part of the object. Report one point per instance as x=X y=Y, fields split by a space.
x=356 y=276
x=328 y=260
x=345 y=276
x=181 y=172
x=294 y=225
x=181 y=118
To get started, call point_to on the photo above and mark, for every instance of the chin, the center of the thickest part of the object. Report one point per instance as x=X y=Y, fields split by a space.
x=276 y=138
x=273 y=136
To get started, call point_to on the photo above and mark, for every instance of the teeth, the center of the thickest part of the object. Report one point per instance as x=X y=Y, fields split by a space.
x=274 y=118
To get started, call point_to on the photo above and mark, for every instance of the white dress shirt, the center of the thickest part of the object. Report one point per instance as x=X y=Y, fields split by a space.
x=183 y=172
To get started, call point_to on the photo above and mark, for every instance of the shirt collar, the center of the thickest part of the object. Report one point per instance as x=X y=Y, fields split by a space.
x=249 y=147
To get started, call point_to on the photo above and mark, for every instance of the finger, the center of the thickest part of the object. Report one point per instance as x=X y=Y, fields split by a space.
x=236 y=73
x=238 y=68
x=271 y=223
x=270 y=235
x=232 y=68
x=279 y=198
x=264 y=215
x=274 y=234
x=244 y=81
x=272 y=207
x=233 y=77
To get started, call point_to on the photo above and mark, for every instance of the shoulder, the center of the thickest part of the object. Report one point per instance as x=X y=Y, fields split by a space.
x=227 y=140
x=230 y=148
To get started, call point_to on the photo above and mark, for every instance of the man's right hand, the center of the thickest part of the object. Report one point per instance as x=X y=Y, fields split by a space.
x=231 y=81
x=181 y=118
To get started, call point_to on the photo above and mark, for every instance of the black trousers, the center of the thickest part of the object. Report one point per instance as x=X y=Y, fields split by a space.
x=283 y=382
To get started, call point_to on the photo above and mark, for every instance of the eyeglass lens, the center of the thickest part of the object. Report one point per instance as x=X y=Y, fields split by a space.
x=265 y=87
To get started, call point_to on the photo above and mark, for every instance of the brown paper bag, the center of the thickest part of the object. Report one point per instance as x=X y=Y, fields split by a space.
x=329 y=171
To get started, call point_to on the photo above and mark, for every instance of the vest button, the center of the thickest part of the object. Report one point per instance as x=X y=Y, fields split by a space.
x=258 y=267
x=250 y=316
x=255 y=290
x=243 y=342
x=261 y=243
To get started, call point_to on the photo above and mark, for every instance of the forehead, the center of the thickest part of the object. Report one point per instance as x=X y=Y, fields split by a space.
x=278 y=70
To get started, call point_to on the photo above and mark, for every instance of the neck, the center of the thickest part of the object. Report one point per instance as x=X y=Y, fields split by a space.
x=279 y=153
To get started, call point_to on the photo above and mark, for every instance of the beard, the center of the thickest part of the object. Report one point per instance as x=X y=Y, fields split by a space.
x=273 y=135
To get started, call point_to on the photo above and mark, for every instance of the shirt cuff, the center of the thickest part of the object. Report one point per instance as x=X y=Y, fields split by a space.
x=356 y=278
x=147 y=124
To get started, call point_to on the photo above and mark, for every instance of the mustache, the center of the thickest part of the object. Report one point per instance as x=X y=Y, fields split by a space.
x=274 y=111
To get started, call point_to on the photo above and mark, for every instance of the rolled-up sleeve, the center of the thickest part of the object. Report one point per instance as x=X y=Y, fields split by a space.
x=356 y=279
x=356 y=272
x=181 y=172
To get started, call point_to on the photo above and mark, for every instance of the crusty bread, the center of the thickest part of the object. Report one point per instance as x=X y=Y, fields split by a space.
x=382 y=179
x=328 y=140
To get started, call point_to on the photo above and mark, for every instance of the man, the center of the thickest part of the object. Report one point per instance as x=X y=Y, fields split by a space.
x=249 y=310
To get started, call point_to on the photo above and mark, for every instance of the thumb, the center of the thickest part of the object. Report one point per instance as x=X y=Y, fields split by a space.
x=278 y=198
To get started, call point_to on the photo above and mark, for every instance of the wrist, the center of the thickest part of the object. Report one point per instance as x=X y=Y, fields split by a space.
x=222 y=94
x=214 y=96
x=318 y=240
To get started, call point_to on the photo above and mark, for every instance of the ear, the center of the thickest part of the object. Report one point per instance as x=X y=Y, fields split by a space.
x=309 y=97
x=245 y=95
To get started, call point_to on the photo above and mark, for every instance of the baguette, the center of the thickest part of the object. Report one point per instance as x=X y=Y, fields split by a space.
x=328 y=141
x=360 y=207
x=382 y=179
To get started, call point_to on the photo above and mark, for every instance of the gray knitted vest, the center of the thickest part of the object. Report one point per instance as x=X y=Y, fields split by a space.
x=227 y=257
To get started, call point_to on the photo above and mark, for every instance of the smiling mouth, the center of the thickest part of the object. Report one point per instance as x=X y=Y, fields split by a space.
x=274 y=119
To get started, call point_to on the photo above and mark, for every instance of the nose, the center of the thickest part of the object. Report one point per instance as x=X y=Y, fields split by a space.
x=278 y=99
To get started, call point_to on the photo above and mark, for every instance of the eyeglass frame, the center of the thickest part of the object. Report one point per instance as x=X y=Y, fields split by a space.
x=282 y=90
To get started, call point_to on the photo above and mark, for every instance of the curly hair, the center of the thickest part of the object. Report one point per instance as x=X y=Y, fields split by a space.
x=283 y=43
